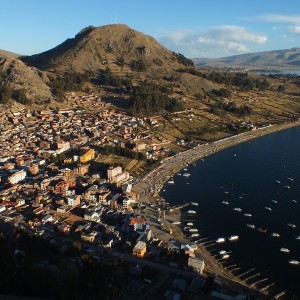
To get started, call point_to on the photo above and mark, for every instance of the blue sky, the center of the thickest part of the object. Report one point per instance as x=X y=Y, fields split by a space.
x=195 y=28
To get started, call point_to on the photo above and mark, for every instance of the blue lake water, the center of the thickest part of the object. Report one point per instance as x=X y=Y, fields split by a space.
x=245 y=176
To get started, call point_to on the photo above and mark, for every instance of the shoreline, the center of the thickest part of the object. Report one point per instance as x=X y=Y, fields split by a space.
x=151 y=184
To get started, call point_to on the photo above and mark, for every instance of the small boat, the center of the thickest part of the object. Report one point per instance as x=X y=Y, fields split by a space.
x=247 y=215
x=297 y=237
x=251 y=226
x=176 y=223
x=277 y=181
x=185 y=169
x=222 y=252
x=287 y=186
x=171 y=181
x=241 y=197
x=187 y=183
x=186 y=228
x=291 y=225
x=295 y=201
x=226 y=192
x=186 y=175
x=290 y=179
x=274 y=234
x=220 y=240
x=225 y=256
x=179 y=174
x=268 y=208
x=274 y=201
x=233 y=238
x=194 y=203
x=191 y=212
x=194 y=235
x=193 y=230
x=225 y=202
x=237 y=209
x=294 y=262
x=286 y=250
x=190 y=224
x=263 y=230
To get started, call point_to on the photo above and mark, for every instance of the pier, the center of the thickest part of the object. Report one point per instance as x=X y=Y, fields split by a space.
x=252 y=276
x=279 y=295
x=266 y=287
x=247 y=272
x=259 y=281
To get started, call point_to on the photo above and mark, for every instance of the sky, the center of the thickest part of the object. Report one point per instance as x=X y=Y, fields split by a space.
x=195 y=28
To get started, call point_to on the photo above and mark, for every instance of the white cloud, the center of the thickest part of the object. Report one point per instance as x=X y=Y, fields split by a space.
x=274 y=18
x=294 y=29
x=214 y=42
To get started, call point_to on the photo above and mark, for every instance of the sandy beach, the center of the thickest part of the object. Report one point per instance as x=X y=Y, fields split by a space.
x=150 y=186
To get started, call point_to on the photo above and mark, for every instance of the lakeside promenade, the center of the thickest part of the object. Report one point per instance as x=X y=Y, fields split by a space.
x=150 y=185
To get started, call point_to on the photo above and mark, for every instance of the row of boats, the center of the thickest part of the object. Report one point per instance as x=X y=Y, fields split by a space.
x=231 y=238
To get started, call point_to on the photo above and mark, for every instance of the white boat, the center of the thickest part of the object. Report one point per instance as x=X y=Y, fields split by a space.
x=179 y=174
x=275 y=234
x=251 y=226
x=247 y=215
x=225 y=256
x=185 y=169
x=186 y=175
x=225 y=202
x=186 y=228
x=297 y=237
x=294 y=262
x=277 y=181
x=193 y=230
x=176 y=223
x=220 y=240
x=171 y=181
x=287 y=186
x=290 y=179
x=222 y=252
x=233 y=238
x=274 y=201
x=286 y=250
x=295 y=201
x=268 y=208
x=191 y=212
x=194 y=203
x=190 y=224
x=226 y=192
x=291 y=225
x=194 y=235
x=237 y=209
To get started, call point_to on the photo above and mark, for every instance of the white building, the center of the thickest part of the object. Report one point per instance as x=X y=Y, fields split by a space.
x=197 y=264
x=16 y=177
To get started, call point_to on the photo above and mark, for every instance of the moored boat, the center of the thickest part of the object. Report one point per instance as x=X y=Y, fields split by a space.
x=233 y=238
x=191 y=212
x=190 y=224
x=274 y=201
x=186 y=175
x=277 y=181
x=222 y=252
x=194 y=203
x=275 y=234
x=194 y=235
x=225 y=202
x=176 y=223
x=290 y=179
x=297 y=237
x=237 y=209
x=263 y=230
x=247 y=215
x=287 y=186
x=193 y=230
x=294 y=262
x=225 y=256
x=286 y=250
x=220 y=240
x=251 y=226
x=291 y=225
x=268 y=208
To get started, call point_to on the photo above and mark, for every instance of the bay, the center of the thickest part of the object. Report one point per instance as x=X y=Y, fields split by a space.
x=244 y=176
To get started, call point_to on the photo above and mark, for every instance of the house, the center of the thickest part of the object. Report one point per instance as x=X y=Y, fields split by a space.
x=138 y=224
x=47 y=218
x=87 y=156
x=17 y=176
x=197 y=264
x=89 y=237
x=139 y=249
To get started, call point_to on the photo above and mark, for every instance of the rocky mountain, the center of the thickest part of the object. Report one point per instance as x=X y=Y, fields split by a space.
x=6 y=54
x=279 y=59
x=27 y=85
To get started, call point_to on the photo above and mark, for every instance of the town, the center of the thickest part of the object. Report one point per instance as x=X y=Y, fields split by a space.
x=56 y=185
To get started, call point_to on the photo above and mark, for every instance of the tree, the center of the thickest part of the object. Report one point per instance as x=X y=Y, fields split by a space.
x=281 y=88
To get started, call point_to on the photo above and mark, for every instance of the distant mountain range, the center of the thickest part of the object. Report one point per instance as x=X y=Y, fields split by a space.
x=278 y=59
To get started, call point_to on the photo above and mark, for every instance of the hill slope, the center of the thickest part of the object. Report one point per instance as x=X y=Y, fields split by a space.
x=279 y=59
x=6 y=54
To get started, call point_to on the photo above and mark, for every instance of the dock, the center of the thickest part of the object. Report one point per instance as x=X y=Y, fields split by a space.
x=259 y=281
x=252 y=276
x=266 y=287
x=279 y=295
x=247 y=272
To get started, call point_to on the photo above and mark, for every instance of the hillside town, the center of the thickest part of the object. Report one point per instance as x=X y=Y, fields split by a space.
x=53 y=185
